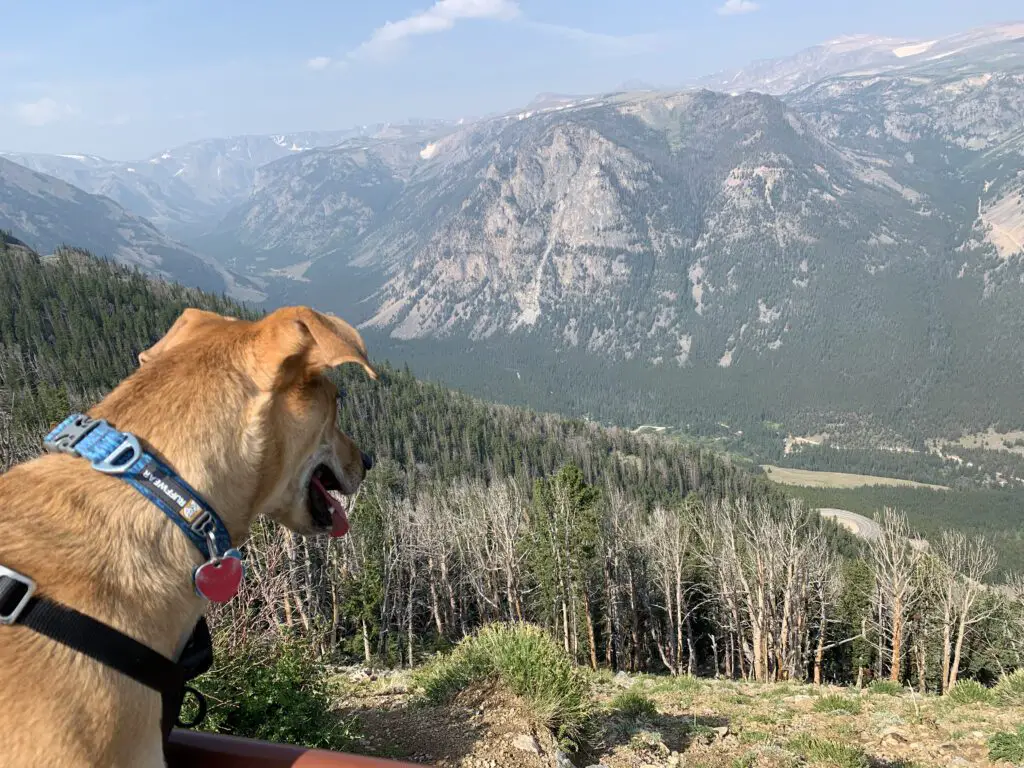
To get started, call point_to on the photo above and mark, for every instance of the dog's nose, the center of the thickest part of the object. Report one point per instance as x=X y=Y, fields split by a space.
x=367 y=461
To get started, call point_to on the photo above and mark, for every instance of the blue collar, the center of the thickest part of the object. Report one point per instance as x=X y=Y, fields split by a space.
x=119 y=454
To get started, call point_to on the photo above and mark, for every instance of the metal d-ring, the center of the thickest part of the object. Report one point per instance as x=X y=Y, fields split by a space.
x=212 y=538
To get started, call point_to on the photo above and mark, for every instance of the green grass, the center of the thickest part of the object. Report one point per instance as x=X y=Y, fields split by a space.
x=1009 y=691
x=662 y=684
x=634 y=705
x=754 y=737
x=969 y=692
x=1008 y=746
x=525 y=660
x=837 y=703
x=831 y=753
x=885 y=687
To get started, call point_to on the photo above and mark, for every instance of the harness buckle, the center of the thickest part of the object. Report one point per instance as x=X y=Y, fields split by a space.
x=71 y=435
x=10 y=615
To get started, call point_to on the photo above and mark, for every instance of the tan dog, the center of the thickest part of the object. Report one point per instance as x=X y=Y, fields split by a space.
x=241 y=411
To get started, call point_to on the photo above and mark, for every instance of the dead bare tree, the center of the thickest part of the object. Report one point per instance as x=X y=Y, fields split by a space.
x=667 y=541
x=964 y=564
x=895 y=560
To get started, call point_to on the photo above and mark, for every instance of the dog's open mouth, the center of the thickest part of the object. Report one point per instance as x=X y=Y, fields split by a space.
x=328 y=506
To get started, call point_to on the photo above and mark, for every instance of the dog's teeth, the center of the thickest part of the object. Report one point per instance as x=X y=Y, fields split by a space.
x=339 y=496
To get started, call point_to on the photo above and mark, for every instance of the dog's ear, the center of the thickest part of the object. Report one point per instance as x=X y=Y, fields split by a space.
x=188 y=322
x=299 y=341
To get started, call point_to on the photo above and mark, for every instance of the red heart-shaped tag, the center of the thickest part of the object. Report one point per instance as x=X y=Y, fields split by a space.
x=219 y=581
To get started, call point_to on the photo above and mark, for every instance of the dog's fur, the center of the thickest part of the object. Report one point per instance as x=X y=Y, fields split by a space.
x=242 y=411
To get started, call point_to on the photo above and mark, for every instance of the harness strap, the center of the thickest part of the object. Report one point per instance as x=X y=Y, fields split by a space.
x=109 y=646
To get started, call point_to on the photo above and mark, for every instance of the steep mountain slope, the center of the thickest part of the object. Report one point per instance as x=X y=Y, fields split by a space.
x=47 y=212
x=858 y=234
x=659 y=226
x=185 y=189
x=955 y=130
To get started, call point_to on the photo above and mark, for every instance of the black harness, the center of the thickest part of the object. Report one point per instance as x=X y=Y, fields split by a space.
x=120 y=454
x=20 y=606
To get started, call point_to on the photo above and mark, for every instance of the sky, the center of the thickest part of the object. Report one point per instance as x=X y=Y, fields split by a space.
x=127 y=80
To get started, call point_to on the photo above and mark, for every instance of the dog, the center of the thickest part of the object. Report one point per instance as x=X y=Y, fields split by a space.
x=243 y=413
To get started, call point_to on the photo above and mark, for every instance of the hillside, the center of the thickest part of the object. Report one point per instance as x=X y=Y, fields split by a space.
x=72 y=326
x=657 y=721
x=47 y=213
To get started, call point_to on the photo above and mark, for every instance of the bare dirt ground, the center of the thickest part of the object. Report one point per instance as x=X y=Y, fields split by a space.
x=713 y=724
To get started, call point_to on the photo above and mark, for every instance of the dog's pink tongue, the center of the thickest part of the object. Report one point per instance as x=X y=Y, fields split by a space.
x=339 y=520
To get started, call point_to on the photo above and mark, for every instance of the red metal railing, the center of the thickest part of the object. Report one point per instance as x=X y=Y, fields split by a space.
x=198 y=749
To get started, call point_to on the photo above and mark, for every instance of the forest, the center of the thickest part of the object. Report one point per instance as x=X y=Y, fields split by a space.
x=638 y=553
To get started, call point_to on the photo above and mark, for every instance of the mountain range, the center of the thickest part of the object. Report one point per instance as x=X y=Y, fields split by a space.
x=48 y=212
x=820 y=239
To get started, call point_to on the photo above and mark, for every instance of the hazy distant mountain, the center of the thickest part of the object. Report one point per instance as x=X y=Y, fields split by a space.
x=46 y=212
x=185 y=190
x=856 y=53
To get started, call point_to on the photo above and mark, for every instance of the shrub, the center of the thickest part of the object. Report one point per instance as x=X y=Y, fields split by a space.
x=274 y=691
x=885 y=687
x=832 y=753
x=1008 y=746
x=1010 y=689
x=969 y=692
x=526 y=661
x=634 y=705
x=837 y=703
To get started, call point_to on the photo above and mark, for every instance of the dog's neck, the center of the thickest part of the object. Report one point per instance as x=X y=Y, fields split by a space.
x=199 y=437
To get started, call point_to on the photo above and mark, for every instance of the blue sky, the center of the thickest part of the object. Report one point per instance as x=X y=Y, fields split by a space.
x=125 y=80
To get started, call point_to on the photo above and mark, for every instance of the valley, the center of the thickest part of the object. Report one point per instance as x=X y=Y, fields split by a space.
x=843 y=238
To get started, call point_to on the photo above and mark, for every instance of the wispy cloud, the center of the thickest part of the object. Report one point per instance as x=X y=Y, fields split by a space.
x=440 y=17
x=602 y=43
x=319 y=62
x=737 y=7
x=43 y=112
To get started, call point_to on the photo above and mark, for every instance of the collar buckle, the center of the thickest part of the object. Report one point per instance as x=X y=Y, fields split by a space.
x=66 y=436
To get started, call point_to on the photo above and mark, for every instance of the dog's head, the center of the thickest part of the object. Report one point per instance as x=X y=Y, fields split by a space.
x=261 y=387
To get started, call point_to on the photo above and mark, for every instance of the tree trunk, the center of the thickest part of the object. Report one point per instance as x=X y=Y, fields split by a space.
x=819 y=656
x=947 y=643
x=922 y=668
x=409 y=612
x=590 y=631
x=565 y=624
x=895 y=671
x=954 y=671
x=367 y=655
x=435 y=606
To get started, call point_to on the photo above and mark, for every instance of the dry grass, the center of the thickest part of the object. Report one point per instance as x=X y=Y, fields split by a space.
x=814 y=479
x=660 y=720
